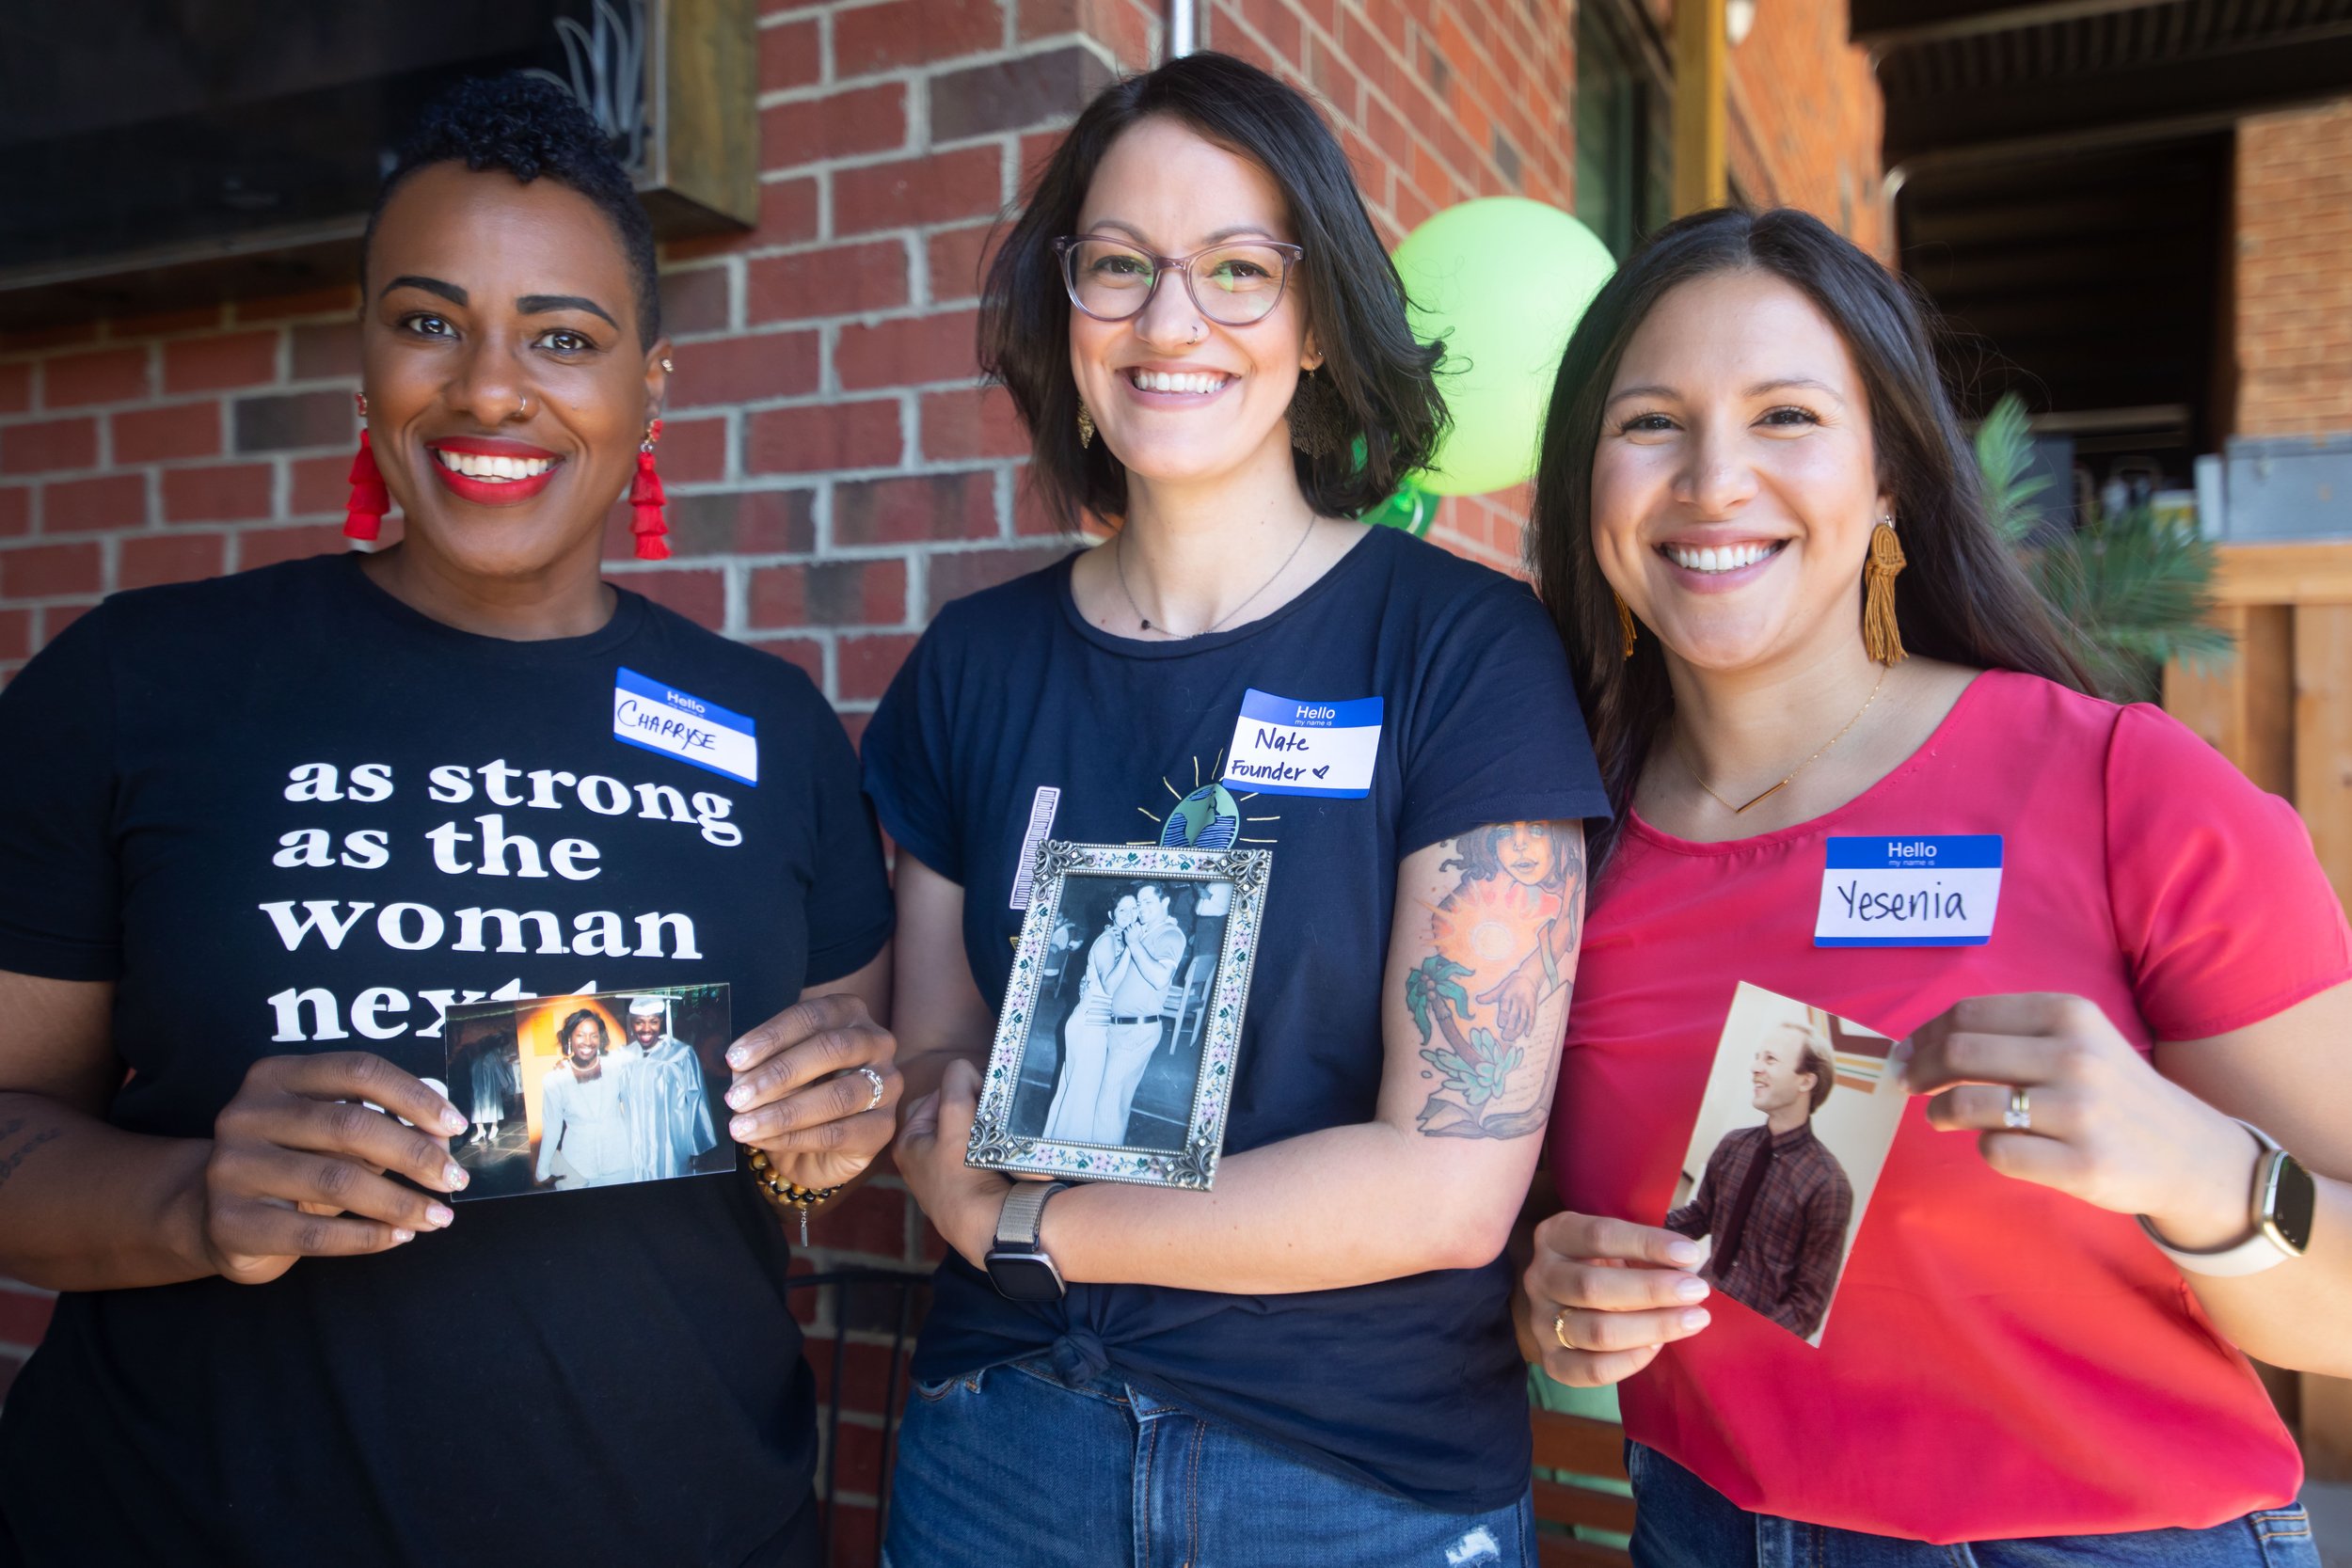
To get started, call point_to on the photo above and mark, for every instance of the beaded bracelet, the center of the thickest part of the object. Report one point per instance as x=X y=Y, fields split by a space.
x=786 y=1195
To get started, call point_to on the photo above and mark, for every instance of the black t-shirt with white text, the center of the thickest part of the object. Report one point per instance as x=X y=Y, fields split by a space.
x=283 y=813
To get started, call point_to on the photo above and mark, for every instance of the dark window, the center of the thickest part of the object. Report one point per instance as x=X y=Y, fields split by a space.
x=1624 y=130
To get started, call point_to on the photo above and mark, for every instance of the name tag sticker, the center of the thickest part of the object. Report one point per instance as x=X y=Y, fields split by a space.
x=1908 y=892
x=663 y=718
x=1287 y=746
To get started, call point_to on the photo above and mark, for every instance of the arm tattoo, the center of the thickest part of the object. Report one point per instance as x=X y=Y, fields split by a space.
x=16 y=1158
x=1492 y=987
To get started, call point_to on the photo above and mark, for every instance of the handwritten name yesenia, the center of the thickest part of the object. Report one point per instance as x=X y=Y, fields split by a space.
x=1934 y=902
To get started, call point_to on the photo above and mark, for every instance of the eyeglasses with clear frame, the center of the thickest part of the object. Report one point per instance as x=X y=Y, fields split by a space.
x=1114 y=281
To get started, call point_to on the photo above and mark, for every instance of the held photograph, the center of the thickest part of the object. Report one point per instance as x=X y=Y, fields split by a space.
x=1801 y=1108
x=1114 y=1056
x=570 y=1092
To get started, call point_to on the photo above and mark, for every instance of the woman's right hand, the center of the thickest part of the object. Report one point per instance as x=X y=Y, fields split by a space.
x=1604 y=1294
x=298 y=1159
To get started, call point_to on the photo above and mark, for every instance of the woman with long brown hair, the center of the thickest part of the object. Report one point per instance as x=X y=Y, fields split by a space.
x=1759 y=529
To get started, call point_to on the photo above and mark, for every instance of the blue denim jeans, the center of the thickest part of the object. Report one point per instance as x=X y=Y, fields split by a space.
x=1682 y=1522
x=1011 y=1468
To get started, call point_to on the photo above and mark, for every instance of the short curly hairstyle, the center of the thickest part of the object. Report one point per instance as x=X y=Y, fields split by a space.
x=1382 y=376
x=532 y=128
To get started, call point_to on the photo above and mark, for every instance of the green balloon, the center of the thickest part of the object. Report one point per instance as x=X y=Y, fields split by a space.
x=1502 y=280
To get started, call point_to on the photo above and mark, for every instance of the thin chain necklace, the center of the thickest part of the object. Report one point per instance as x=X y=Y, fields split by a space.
x=1118 y=561
x=1693 y=770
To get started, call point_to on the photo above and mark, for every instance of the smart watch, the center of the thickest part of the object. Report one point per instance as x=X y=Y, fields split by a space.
x=2286 y=1199
x=1018 y=1268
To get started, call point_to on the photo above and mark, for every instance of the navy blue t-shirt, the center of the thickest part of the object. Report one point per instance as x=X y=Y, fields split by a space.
x=233 y=800
x=1414 y=1384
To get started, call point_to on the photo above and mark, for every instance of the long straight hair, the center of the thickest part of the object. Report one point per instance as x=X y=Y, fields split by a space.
x=1962 y=597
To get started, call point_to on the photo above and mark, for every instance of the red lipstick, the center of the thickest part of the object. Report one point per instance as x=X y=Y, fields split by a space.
x=491 y=492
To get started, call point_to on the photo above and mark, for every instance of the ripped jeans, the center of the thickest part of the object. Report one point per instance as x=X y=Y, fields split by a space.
x=1011 y=1468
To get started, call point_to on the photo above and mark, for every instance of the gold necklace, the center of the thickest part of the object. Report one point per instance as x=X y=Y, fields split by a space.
x=1118 y=561
x=1691 y=768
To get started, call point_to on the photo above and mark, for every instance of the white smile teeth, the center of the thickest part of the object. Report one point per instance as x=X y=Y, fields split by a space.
x=1165 y=381
x=497 y=470
x=1727 y=557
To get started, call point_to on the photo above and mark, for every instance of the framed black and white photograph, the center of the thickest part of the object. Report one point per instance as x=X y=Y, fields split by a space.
x=1114 y=1054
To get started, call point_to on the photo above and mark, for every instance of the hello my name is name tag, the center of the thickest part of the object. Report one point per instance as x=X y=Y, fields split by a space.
x=1905 y=891
x=1291 y=746
x=662 y=719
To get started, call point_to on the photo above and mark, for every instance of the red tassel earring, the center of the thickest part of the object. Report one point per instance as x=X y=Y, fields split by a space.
x=363 y=518
x=644 y=500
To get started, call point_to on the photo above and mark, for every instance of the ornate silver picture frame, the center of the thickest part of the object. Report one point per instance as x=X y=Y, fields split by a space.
x=1114 y=1055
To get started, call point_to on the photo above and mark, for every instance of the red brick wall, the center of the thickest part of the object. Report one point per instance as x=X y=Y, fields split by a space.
x=1806 y=120
x=2293 y=285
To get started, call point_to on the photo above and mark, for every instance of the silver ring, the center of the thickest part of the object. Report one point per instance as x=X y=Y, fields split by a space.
x=876 y=1079
x=2019 y=1117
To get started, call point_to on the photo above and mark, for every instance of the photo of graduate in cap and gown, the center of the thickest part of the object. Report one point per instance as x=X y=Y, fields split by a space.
x=663 y=1097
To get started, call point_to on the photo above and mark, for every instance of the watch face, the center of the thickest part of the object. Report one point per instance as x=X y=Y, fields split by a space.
x=1025 y=1277
x=2293 y=1200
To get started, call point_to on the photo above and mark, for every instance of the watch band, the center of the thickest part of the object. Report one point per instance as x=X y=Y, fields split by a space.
x=2261 y=1250
x=1024 y=1213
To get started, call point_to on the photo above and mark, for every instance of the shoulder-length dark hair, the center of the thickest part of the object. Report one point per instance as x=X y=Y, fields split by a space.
x=1382 y=376
x=1962 y=597
x=585 y=1014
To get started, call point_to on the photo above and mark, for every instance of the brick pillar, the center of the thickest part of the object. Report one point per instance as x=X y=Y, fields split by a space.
x=2293 y=283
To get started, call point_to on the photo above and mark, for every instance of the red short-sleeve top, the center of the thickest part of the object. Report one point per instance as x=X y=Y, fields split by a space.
x=2003 y=1360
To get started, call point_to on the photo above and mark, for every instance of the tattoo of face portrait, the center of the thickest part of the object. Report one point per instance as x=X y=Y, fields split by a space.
x=1489 y=994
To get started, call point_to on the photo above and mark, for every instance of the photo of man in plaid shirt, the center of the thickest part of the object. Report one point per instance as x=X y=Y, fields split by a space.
x=1773 y=1196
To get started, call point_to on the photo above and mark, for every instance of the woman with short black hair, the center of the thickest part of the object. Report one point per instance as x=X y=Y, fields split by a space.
x=257 y=863
x=1805 y=650
x=1312 y=1361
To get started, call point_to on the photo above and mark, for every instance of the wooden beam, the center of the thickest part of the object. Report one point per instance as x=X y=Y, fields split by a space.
x=1889 y=24
x=2327 y=1427
x=2244 y=707
x=2283 y=574
x=2323 y=735
x=1702 y=105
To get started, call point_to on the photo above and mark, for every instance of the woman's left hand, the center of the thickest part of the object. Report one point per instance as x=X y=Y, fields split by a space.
x=814 y=1087
x=2102 y=1123
x=960 y=1199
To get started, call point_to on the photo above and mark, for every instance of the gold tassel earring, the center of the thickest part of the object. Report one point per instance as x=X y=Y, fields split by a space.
x=1086 y=426
x=1879 y=634
x=1625 y=621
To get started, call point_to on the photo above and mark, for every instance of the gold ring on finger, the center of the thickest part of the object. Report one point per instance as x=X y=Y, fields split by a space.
x=876 y=1079
x=1560 y=1329
x=2019 y=1117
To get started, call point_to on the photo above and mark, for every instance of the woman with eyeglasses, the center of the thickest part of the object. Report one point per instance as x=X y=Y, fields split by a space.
x=1313 y=1361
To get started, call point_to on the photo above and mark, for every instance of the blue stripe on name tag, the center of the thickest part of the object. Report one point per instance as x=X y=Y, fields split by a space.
x=671 y=697
x=1356 y=714
x=1901 y=942
x=1911 y=852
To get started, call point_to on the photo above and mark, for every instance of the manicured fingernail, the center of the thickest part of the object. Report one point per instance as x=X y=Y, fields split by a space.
x=1695 y=1317
x=737 y=1055
x=738 y=1096
x=453 y=1177
x=440 y=1214
x=739 y=1128
x=1692 y=1289
x=1683 y=1252
x=400 y=1236
x=454 y=1120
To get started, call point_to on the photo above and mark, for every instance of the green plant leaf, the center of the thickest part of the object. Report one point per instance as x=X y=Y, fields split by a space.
x=2004 y=452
